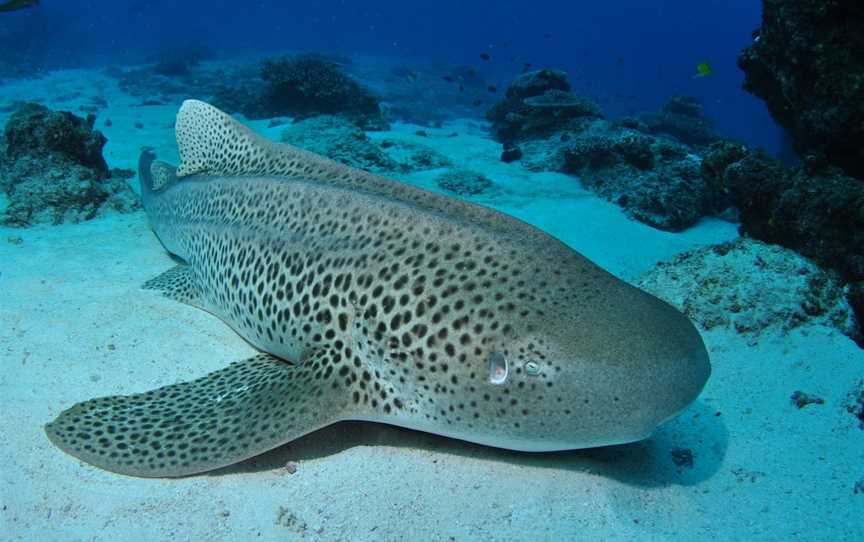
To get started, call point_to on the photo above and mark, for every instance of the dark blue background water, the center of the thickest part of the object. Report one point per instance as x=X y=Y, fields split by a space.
x=630 y=55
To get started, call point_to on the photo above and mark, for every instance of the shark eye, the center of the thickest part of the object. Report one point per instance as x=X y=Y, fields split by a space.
x=498 y=368
x=532 y=368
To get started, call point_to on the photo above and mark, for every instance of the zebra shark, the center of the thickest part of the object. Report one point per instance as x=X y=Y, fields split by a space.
x=370 y=299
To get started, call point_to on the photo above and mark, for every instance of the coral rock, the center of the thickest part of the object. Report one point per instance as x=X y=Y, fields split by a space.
x=751 y=287
x=807 y=64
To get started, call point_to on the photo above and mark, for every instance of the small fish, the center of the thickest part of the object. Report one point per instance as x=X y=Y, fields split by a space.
x=620 y=60
x=703 y=69
x=412 y=76
x=485 y=56
x=492 y=88
x=448 y=78
x=476 y=103
x=15 y=5
x=472 y=72
x=461 y=87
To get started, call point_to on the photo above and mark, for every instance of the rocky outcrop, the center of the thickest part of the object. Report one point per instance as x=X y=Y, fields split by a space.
x=682 y=119
x=310 y=85
x=52 y=170
x=538 y=104
x=751 y=287
x=807 y=63
x=820 y=215
x=656 y=181
x=646 y=165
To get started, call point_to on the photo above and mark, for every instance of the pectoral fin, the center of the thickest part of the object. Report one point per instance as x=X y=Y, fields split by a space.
x=227 y=416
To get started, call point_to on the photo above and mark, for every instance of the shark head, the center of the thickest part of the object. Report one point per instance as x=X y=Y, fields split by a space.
x=577 y=378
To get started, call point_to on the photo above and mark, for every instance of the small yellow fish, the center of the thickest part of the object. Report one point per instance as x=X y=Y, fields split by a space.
x=703 y=69
x=15 y=5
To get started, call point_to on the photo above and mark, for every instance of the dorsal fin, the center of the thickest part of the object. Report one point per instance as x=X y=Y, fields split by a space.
x=211 y=142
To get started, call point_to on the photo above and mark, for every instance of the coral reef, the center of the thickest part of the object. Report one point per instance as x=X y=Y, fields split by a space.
x=36 y=130
x=299 y=87
x=413 y=156
x=656 y=181
x=310 y=85
x=52 y=170
x=646 y=164
x=463 y=182
x=341 y=140
x=820 y=215
x=680 y=118
x=751 y=287
x=807 y=64
x=537 y=104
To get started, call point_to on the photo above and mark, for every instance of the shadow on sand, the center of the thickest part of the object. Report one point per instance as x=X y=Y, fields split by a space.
x=684 y=451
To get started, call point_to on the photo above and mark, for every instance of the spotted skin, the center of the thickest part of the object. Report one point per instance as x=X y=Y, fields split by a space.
x=378 y=301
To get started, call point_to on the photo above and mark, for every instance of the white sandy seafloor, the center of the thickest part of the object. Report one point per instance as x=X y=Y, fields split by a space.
x=75 y=325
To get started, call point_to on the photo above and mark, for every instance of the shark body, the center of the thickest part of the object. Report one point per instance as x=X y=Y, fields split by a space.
x=373 y=300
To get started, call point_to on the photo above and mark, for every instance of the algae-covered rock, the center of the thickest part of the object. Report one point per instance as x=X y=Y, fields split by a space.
x=52 y=170
x=682 y=119
x=655 y=180
x=819 y=214
x=807 y=63
x=537 y=104
x=35 y=130
x=536 y=83
x=751 y=287
x=310 y=85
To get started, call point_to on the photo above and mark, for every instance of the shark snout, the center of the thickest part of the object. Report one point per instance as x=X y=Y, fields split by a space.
x=674 y=371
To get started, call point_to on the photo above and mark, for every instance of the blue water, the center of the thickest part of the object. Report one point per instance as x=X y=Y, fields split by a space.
x=630 y=56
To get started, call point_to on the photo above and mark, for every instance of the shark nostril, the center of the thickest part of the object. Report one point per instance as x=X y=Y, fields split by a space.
x=532 y=368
